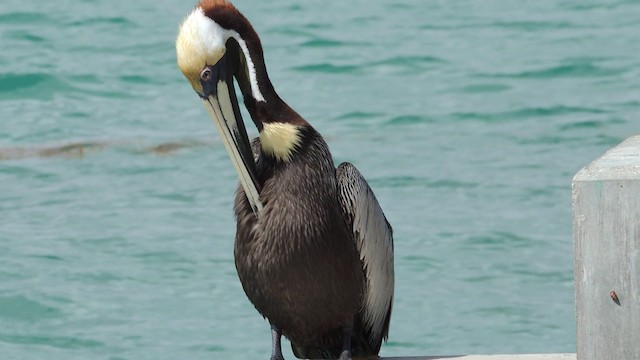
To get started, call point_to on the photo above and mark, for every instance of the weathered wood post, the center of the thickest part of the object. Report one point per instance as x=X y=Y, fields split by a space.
x=606 y=233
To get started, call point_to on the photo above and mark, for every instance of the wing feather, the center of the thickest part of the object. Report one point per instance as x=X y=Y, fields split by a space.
x=374 y=239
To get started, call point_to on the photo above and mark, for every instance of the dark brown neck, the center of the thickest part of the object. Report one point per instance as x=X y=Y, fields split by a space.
x=273 y=108
x=231 y=19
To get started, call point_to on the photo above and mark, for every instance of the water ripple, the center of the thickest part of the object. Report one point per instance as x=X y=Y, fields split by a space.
x=43 y=86
x=60 y=342
x=96 y=21
x=15 y=85
x=21 y=308
x=411 y=64
x=412 y=181
x=579 y=70
x=329 y=68
x=589 y=124
x=359 y=115
x=499 y=240
x=484 y=88
x=408 y=120
x=25 y=18
x=525 y=113
x=534 y=25
x=27 y=36
x=320 y=42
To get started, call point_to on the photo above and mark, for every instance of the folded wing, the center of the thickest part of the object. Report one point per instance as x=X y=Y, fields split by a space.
x=374 y=239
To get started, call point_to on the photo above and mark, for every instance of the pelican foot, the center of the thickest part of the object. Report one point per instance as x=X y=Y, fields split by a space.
x=277 y=357
x=346 y=355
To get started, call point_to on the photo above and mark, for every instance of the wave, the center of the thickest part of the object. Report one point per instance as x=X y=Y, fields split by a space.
x=568 y=70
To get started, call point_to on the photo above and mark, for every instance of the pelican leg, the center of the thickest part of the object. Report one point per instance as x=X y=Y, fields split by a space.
x=276 y=348
x=346 y=344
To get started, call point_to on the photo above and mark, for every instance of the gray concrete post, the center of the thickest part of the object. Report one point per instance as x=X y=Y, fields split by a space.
x=606 y=234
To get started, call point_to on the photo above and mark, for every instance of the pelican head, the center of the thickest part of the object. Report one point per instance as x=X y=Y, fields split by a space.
x=216 y=44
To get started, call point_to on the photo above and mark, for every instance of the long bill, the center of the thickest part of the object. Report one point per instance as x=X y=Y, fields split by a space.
x=223 y=109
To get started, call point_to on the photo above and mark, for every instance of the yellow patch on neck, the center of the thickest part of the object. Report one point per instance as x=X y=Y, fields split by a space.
x=280 y=140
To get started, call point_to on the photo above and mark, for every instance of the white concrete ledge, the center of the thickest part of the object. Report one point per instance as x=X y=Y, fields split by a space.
x=491 y=357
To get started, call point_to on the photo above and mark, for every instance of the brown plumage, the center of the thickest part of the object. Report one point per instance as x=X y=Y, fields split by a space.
x=297 y=262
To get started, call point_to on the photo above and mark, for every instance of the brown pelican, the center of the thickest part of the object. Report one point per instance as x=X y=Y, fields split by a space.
x=313 y=249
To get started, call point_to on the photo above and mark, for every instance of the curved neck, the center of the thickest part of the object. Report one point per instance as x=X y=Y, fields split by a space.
x=251 y=71
x=260 y=98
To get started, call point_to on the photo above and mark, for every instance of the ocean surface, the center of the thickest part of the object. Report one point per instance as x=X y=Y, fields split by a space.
x=468 y=118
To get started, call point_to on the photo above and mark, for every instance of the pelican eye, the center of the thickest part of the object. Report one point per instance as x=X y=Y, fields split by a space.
x=206 y=74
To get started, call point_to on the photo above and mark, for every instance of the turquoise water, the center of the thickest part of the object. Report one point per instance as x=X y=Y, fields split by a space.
x=468 y=118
